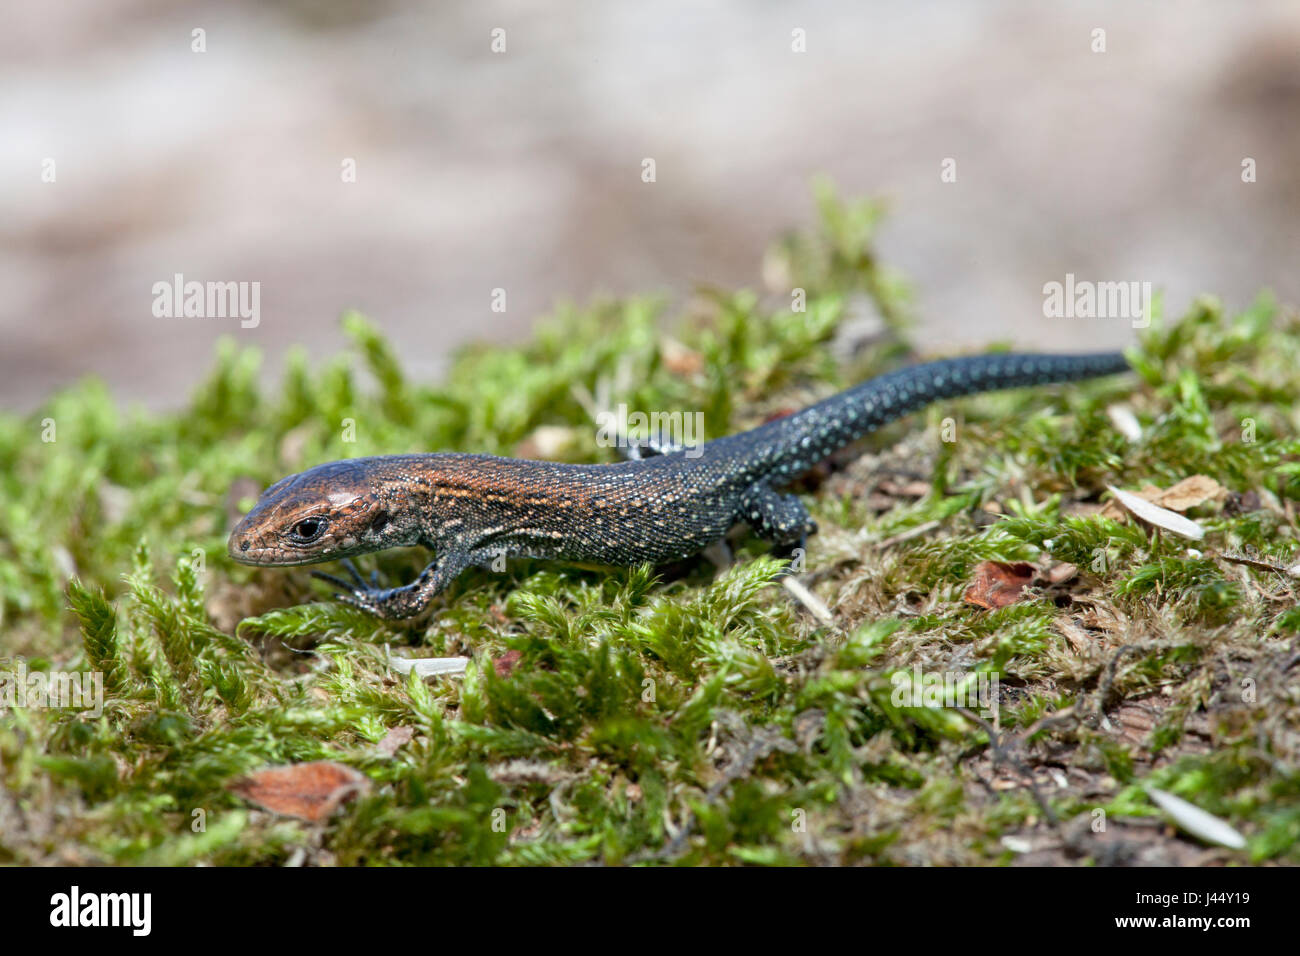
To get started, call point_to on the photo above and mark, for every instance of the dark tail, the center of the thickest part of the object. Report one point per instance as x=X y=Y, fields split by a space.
x=805 y=438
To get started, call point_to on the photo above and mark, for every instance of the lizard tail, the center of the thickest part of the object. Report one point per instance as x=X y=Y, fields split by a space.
x=805 y=438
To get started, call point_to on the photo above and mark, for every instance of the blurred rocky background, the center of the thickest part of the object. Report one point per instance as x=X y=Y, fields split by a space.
x=522 y=170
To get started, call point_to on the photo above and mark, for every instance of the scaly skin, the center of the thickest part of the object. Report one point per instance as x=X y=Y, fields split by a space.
x=473 y=509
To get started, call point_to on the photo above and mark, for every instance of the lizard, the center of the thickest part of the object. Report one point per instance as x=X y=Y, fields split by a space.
x=470 y=509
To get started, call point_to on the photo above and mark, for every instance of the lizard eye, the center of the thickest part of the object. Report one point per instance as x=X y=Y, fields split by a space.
x=308 y=529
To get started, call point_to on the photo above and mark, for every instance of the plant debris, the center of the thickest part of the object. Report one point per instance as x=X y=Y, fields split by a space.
x=309 y=791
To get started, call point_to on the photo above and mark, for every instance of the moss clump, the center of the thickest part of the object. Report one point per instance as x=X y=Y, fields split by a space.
x=680 y=716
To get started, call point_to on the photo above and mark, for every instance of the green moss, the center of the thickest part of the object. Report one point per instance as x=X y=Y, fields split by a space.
x=675 y=715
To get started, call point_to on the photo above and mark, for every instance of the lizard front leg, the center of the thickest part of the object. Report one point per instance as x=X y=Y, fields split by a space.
x=393 y=604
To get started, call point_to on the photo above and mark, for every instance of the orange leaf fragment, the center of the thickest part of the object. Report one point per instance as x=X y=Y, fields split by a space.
x=505 y=664
x=998 y=584
x=308 y=791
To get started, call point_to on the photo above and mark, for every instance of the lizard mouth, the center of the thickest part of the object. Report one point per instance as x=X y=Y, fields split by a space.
x=243 y=550
x=247 y=545
x=246 y=551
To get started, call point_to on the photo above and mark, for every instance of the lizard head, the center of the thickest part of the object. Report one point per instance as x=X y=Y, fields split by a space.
x=322 y=514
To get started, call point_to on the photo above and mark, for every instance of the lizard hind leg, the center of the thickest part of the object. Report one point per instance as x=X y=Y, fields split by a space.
x=780 y=519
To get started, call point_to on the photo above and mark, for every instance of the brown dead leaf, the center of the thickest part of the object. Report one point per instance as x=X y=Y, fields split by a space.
x=308 y=791
x=505 y=664
x=998 y=584
x=1188 y=493
x=396 y=738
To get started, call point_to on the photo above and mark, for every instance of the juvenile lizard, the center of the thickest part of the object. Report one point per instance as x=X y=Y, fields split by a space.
x=472 y=509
